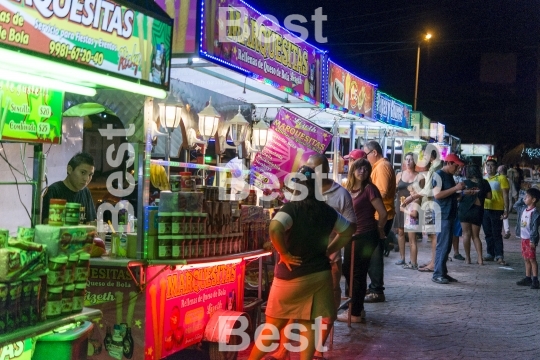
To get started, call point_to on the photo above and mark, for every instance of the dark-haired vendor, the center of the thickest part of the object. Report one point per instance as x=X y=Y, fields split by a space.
x=73 y=188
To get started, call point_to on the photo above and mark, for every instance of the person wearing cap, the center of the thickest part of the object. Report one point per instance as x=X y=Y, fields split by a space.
x=446 y=193
x=355 y=155
x=495 y=211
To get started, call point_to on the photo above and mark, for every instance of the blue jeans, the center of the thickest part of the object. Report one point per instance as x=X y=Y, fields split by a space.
x=376 y=265
x=444 y=245
x=364 y=245
x=492 y=225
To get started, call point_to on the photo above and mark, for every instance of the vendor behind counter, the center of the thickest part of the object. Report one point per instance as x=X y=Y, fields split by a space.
x=73 y=188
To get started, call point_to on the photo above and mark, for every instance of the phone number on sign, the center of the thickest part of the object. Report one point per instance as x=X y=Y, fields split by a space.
x=63 y=50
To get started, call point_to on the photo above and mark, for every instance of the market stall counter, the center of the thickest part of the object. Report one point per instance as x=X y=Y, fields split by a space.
x=155 y=308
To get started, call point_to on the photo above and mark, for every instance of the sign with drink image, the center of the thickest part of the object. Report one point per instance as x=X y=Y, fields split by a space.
x=348 y=91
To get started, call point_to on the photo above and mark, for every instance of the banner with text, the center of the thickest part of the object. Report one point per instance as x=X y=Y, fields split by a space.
x=99 y=34
x=30 y=113
x=291 y=141
x=184 y=13
x=120 y=332
x=348 y=91
x=179 y=303
x=391 y=111
x=240 y=36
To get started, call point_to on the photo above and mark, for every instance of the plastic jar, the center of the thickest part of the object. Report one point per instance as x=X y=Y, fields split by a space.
x=70 y=268
x=78 y=297
x=83 y=267
x=57 y=209
x=57 y=271
x=164 y=247
x=54 y=301
x=72 y=213
x=67 y=298
x=164 y=223
x=176 y=223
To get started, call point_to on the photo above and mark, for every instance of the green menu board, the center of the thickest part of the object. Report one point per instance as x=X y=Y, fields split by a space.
x=30 y=113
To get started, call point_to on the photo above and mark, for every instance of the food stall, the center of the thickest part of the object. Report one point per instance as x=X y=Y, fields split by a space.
x=44 y=278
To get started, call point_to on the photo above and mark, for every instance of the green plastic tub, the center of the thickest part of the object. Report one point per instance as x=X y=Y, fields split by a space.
x=67 y=345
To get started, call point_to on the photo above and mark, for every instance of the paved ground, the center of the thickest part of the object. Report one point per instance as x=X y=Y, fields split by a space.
x=483 y=316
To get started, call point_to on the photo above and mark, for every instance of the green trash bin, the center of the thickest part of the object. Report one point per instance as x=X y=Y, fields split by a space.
x=66 y=345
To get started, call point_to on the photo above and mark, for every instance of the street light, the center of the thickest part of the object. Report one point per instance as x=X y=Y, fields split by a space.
x=426 y=37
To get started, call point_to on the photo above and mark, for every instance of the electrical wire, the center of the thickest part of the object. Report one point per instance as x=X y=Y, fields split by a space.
x=11 y=168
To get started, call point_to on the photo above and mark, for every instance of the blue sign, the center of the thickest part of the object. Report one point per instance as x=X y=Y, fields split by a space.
x=391 y=111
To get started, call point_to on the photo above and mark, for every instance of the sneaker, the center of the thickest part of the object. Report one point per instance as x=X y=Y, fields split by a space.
x=344 y=317
x=507 y=235
x=535 y=284
x=526 y=281
x=374 y=298
x=459 y=257
x=450 y=279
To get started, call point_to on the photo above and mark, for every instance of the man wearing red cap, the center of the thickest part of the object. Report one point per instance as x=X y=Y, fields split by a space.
x=446 y=194
x=355 y=155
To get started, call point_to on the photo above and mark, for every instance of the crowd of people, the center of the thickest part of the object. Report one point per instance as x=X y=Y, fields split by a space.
x=445 y=199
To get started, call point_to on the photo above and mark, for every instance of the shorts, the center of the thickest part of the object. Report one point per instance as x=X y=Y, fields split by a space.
x=474 y=215
x=526 y=251
x=458 y=231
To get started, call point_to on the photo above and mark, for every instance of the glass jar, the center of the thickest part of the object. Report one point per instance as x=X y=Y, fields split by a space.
x=78 y=297
x=164 y=223
x=57 y=209
x=57 y=271
x=176 y=247
x=164 y=247
x=67 y=298
x=70 y=268
x=54 y=301
x=175 y=182
x=83 y=268
x=176 y=223
x=72 y=213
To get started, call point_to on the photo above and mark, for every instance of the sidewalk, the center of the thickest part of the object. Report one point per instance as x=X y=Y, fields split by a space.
x=483 y=316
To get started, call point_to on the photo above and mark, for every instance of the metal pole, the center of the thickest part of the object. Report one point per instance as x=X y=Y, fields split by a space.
x=37 y=174
x=417 y=70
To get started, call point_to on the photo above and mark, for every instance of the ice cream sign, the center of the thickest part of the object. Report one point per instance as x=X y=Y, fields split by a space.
x=30 y=113
x=101 y=34
x=391 y=111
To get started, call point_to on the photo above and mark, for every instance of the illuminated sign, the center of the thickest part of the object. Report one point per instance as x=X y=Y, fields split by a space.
x=103 y=35
x=391 y=111
x=238 y=36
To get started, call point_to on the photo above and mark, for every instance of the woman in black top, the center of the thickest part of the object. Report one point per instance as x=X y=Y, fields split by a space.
x=302 y=285
x=471 y=210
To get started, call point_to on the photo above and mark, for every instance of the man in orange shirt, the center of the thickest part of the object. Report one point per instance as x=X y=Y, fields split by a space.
x=384 y=178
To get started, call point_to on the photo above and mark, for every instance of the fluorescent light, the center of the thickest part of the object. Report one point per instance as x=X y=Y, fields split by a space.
x=74 y=74
x=45 y=82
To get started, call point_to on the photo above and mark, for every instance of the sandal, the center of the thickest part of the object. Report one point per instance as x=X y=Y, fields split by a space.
x=425 y=269
x=401 y=262
x=502 y=262
x=410 y=266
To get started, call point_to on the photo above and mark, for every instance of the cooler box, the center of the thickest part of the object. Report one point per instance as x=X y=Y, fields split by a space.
x=67 y=345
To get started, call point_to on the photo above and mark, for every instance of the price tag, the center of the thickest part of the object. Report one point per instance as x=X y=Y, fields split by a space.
x=43 y=128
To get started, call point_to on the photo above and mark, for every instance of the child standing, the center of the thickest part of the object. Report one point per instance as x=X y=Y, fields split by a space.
x=411 y=224
x=527 y=229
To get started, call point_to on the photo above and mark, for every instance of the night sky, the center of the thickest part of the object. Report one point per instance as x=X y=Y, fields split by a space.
x=477 y=74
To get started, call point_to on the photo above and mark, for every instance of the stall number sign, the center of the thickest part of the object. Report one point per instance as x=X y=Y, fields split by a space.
x=30 y=113
x=19 y=350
